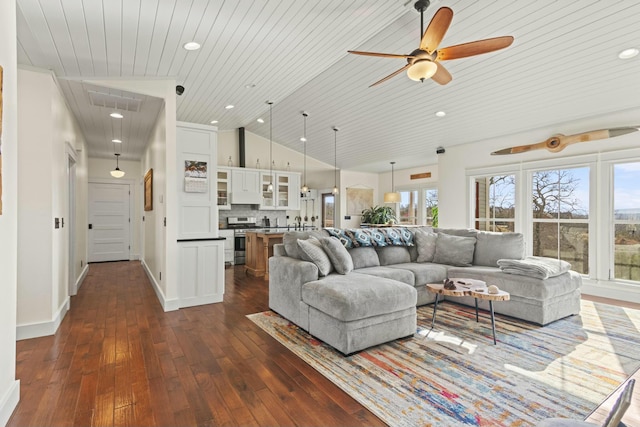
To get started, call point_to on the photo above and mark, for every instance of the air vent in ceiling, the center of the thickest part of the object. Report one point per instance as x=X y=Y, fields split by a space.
x=109 y=100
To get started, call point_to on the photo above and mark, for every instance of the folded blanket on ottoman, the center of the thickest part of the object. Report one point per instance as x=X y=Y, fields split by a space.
x=534 y=266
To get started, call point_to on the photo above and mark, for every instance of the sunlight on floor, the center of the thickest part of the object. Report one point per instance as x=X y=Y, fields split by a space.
x=442 y=337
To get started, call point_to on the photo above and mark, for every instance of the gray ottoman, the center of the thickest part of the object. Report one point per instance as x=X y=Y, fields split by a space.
x=354 y=311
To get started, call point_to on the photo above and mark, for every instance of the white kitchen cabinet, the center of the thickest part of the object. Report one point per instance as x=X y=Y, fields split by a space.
x=200 y=271
x=229 y=248
x=245 y=186
x=286 y=190
x=224 y=188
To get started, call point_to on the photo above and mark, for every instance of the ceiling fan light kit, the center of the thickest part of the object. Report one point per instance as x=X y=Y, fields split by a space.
x=424 y=62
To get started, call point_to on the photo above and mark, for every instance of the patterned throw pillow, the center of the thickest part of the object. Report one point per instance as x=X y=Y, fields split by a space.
x=311 y=250
x=377 y=237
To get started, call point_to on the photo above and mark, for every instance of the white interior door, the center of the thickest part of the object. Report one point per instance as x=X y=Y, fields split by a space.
x=109 y=222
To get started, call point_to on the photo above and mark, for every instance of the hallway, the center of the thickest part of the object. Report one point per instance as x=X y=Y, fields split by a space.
x=118 y=359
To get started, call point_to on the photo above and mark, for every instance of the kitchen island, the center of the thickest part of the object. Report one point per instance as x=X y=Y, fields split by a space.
x=259 y=246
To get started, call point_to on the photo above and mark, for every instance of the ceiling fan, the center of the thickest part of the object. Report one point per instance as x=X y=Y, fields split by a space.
x=559 y=142
x=424 y=62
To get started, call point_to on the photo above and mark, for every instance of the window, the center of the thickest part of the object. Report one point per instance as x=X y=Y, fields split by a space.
x=408 y=207
x=495 y=203
x=560 y=216
x=431 y=206
x=626 y=221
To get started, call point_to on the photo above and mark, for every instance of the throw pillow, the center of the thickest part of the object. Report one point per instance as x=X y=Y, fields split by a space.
x=311 y=250
x=364 y=257
x=290 y=241
x=454 y=250
x=426 y=243
x=338 y=254
x=491 y=247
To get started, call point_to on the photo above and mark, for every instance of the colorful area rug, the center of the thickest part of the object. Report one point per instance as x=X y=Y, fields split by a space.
x=453 y=375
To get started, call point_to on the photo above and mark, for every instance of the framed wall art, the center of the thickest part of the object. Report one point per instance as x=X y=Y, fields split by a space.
x=148 y=190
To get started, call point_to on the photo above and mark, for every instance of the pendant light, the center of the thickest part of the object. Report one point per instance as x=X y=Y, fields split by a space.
x=304 y=188
x=117 y=173
x=392 y=197
x=270 y=186
x=335 y=160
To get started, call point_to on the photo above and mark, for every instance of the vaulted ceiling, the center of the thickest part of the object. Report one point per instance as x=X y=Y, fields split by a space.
x=562 y=65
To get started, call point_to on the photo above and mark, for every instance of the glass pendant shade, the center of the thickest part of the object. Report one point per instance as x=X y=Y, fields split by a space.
x=117 y=173
x=422 y=69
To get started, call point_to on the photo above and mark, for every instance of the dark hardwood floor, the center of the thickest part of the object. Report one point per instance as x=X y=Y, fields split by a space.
x=118 y=359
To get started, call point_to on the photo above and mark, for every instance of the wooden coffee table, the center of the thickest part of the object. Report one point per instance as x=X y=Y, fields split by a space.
x=476 y=291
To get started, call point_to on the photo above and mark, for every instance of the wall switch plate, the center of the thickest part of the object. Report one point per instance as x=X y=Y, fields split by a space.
x=56 y=222
x=347 y=217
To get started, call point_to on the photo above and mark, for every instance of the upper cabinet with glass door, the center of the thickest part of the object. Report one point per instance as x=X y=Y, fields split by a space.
x=286 y=191
x=224 y=188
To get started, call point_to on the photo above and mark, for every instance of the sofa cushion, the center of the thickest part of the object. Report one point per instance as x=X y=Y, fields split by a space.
x=311 y=250
x=404 y=276
x=338 y=254
x=426 y=244
x=490 y=247
x=521 y=286
x=454 y=250
x=424 y=273
x=364 y=257
x=290 y=241
x=357 y=296
x=462 y=232
x=393 y=255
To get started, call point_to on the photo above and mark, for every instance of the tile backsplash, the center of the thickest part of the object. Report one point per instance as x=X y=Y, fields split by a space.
x=252 y=210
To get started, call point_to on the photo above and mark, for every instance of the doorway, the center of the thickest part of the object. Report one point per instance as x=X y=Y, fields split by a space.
x=71 y=222
x=109 y=221
x=328 y=210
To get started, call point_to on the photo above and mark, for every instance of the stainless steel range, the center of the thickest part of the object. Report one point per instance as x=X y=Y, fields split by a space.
x=240 y=225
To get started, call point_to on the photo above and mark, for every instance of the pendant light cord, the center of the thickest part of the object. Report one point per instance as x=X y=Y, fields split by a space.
x=271 y=142
x=335 y=157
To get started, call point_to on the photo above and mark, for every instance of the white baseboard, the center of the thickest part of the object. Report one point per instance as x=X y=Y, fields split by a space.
x=614 y=290
x=80 y=279
x=43 y=329
x=209 y=299
x=167 y=305
x=9 y=402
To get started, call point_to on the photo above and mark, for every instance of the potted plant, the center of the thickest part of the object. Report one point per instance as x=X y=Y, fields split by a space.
x=379 y=215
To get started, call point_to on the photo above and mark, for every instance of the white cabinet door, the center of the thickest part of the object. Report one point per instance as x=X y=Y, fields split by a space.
x=267 y=201
x=224 y=188
x=200 y=272
x=245 y=186
x=294 y=192
x=229 y=248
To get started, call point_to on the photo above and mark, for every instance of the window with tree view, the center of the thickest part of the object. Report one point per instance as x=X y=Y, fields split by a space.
x=560 y=211
x=495 y=203
x=626 y=219
x=431 y=205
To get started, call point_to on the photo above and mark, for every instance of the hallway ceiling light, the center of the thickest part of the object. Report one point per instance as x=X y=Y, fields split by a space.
x=214 y=122
x=440 y=114
x=260 y=120
x=117 y=173
x=116 y=115
x=229 y=107
x=117 y=141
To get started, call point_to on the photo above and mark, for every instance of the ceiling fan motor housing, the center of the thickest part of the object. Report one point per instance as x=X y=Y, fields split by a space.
x=422 y=5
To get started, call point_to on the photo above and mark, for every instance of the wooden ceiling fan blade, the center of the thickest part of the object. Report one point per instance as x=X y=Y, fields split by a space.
x=521 y=148
x=442 y=76
x=383 y=55
x=395 y=73
x=436 y=30
x=477 y=47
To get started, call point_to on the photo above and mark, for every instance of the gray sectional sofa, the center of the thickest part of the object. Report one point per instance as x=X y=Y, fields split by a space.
x=358 y=288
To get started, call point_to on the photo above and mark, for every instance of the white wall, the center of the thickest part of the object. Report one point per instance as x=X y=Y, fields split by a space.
x=43 y=292
x=9 y=387
x=349 y=179
x=100 y=168
x=453 y=194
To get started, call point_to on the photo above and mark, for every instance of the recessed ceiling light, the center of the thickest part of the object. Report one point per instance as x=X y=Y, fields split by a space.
x=116 y=115
x=213 y=122
x=229 y=107
x=303 y=139
x=441 y=114
x=260 y=120
x=116 y=141
x=191 y=46
x=628 y=53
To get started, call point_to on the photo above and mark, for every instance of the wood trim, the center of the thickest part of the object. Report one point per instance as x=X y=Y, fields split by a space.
x=421 y=175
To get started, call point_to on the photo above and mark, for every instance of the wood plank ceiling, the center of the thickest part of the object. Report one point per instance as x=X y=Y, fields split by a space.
x=562 y=66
